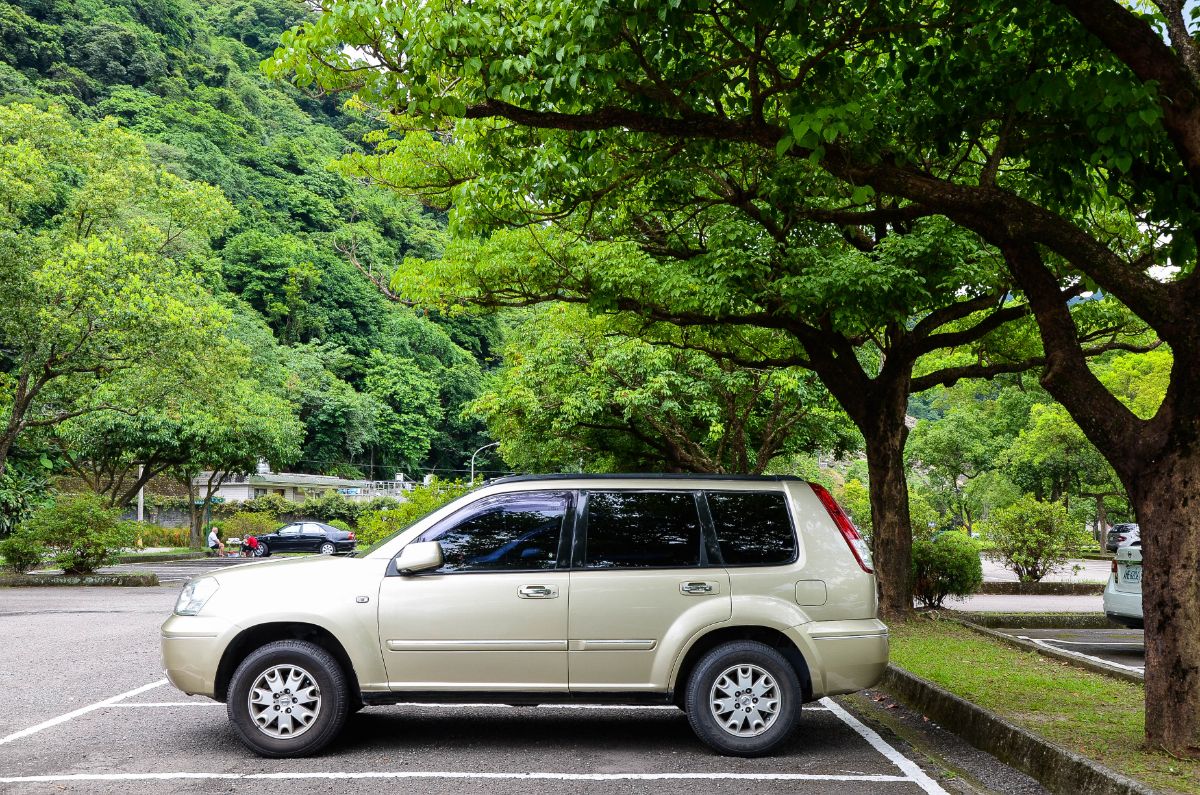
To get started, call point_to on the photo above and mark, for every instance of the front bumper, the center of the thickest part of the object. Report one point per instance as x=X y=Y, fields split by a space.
x=192 y=647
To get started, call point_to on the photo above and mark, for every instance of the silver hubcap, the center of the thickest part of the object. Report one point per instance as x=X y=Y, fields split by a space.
x=284 y=701
x=327 y=549
x=745 y=700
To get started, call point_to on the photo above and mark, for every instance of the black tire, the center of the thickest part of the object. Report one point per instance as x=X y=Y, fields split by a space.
x=331 y=689
x=263 y=550
x=328 y=548
x=753 y=656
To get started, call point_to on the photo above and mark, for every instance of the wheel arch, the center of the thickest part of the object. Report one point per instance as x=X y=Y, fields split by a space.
x=259 y=635
x=766 y=635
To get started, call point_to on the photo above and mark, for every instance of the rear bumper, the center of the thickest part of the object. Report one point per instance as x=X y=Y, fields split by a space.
x=1124 y=607
x=849 y=655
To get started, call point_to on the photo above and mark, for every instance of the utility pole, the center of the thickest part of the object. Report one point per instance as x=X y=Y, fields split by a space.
x=477 y=452
x=141 y=494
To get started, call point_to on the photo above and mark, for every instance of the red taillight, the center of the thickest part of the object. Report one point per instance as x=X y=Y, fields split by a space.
x=1114 y=566
x=854 y=540
x=352 y=538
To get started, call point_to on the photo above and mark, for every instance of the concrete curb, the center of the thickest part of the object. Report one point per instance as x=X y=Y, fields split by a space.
x=1057 y=768
x=134 y=579
x=160 y=557
x=1078 y=662
x=1033 y=620
x=1042 y=588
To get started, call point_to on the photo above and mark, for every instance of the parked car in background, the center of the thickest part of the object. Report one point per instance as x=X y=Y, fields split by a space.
x=736 y=599
x=1122 y=535
x=1123 y=594
x=306 y=537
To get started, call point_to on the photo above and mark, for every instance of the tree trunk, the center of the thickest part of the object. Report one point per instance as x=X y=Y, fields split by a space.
x=195 y=514
x=892 y=530
x=1166 y=498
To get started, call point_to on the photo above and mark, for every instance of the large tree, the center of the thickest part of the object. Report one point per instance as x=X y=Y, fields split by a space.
x=1067 y=135
x=538 y=119
x=101 y=263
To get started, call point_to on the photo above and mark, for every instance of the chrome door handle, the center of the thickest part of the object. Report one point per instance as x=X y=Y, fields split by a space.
x=537 y=591
x=697 y=587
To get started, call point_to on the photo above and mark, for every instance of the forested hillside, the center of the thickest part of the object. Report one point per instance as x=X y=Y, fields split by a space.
x=355 y=384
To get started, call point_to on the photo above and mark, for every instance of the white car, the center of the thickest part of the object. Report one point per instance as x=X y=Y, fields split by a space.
x=1123 y=595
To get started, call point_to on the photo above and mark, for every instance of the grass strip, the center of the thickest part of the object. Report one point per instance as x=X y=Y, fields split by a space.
x=1096 y=716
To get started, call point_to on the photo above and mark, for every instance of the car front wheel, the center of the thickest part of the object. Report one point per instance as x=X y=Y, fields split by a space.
x=261 y=550
x=288 y=698
x=743 y=698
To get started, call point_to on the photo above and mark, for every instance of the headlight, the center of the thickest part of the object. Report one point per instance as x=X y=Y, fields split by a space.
x=194 y=595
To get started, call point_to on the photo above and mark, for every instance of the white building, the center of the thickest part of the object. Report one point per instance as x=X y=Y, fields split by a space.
x=297 y=487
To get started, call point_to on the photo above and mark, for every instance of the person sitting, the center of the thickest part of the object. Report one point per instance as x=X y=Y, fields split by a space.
x=250 y=546
x=214 y=542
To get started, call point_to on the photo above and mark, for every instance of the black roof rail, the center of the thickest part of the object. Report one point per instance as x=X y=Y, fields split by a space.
x=647 y=476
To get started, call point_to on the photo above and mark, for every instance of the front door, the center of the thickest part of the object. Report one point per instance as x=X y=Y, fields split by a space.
x=641 y=578
x=494 y=616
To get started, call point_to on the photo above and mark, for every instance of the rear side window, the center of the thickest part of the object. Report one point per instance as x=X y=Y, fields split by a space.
x=636 y=530
x=754 y=528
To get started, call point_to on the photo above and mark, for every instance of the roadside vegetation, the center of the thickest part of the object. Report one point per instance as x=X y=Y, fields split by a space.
x=1095 y=715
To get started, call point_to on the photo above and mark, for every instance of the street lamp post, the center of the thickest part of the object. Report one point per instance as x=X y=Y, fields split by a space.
x=477 y=452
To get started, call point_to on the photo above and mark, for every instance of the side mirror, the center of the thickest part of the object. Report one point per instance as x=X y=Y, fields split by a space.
x=419 y=557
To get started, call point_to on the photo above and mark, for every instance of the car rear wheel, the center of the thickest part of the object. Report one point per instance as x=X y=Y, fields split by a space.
x=743 y=698
x=288 y=698
x=327 y=548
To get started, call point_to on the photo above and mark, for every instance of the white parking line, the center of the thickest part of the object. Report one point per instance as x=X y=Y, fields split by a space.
x=453 y=774
x=81 y=711
x=1045 y=644
x=912 y=770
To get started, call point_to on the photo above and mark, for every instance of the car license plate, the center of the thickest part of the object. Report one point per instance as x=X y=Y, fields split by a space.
x=1132 y=574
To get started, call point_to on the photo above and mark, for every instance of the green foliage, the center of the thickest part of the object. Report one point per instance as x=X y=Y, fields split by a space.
x=248 y=523
x=340 y=525
x=947 y=565
x=81 y=532
x=589 y=391
x=271 y=505
x=1032 y=538
x=377 y=525
x=152 y=535
x=327 y=508
x=22 y=552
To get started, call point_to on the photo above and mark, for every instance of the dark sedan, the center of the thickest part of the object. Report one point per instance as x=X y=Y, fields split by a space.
x=306 y=537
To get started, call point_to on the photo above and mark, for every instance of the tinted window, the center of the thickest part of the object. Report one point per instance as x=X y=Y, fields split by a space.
x=290 y=530
x=753 y=528
x=642 y=529
x=512 y=531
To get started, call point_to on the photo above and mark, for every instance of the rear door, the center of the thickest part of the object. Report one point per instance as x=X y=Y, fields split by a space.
x=641 y=578
x=312 y=536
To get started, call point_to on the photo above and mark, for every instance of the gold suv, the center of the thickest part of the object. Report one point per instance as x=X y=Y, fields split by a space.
x=737 y=599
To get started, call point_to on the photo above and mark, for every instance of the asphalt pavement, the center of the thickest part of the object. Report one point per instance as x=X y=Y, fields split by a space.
x=84 y=708
x=1122 y=648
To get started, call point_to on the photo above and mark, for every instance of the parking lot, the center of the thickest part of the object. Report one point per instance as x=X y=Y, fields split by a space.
x=85 y=708
x=1121 y=648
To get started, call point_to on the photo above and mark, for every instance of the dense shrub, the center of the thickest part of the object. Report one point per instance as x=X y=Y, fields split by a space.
x=22 y=552
x=151 y=535
x=1032 y=538
x=81 y=532
x=376 y=525
x=340 y=525
x=948 y=565
x=271 y=504
x=328 y=507
x=248 y=523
